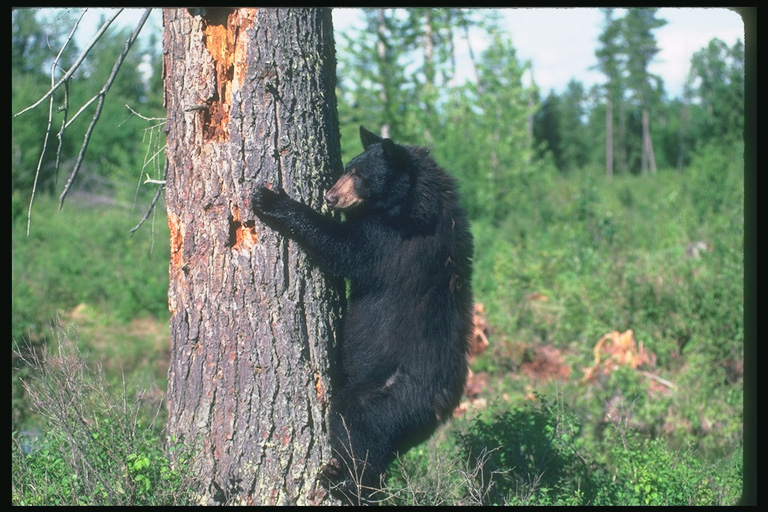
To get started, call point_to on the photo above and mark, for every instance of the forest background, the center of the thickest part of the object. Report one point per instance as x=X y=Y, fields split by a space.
x=610 y=249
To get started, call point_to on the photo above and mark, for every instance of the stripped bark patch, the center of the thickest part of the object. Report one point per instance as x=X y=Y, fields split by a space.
x=224 y=33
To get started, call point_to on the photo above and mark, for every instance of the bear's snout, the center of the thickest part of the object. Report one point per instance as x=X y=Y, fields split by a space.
x=342 y=195
x=331 y=199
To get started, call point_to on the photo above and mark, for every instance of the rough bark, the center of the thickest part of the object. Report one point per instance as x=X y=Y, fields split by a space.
x=648 y=158
x=250 y=95
x=383 y=53
x=609 y=138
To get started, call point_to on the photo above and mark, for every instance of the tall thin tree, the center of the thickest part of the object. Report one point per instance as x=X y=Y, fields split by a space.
x=609 y=55
x=641 y=49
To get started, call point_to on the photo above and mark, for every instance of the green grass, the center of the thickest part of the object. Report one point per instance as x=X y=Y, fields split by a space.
x=83 y=254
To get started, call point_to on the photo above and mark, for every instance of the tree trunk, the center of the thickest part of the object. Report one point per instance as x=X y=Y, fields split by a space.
x=382 y=52
x=648 y=159
x=609 y=138
x=682 y=135
x=651 y=154
x=250 y=95
x=644 y=151
x=620 y=142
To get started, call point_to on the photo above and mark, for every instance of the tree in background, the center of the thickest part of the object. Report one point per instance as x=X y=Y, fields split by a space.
x=646 y=88
x=716 y=79
x=609 y=56
x=627 y=46
x=480 y=127
x=546 y=130
x=34 y=47
x=44 y=40
x=574 y=144
x=376 y=83
x=559 y=127
x=398 y=69
x=486 y=135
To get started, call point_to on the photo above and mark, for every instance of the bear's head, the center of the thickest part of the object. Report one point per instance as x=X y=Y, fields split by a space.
x=377 y=180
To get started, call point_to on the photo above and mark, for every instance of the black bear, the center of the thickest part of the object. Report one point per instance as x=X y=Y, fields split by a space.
x=406 y=249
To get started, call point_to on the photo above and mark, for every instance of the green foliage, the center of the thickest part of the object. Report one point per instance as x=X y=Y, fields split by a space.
x=45 y=474
x=85 y=255
x=496 y=173
x=559 y=128
x=536 y=454
x=395 y=68
x=29 y=83
x=35 y=44
x=661 y=255
x=717 y=79
x=376 y=83
x=534 y=458
x=640 y=49
x=97 y=445
x=119 y=147
x=648 y=473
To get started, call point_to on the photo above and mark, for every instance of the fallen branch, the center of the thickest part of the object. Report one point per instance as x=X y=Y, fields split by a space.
x=658 y=379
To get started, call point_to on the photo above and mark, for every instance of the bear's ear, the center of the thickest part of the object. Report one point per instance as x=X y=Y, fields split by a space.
x=394 y=152
x=368 y=138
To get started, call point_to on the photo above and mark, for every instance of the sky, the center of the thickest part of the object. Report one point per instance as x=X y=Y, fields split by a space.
x=560 y=43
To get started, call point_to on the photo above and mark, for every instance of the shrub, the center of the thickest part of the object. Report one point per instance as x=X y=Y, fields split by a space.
x=648 y=473
x=535 y=454
x=96 y=445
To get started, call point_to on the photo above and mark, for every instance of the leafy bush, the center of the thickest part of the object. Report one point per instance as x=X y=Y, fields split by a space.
x=535 y=458
x=96 y=446
x=536 y=454
x=649 y=473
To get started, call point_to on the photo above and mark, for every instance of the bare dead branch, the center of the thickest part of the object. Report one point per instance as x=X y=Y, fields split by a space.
x=143 y=116
x=54 y=65
x=79 y=60
x=59 y=136
x=101 y=95
x=154 y=201
x=153 y=181
x=472 y=58
x=63 y=82
x=150 y=159
x=664 y=382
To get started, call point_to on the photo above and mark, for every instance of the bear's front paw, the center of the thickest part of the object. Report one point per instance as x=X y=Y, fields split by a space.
x=331 y=471
x=266 y=199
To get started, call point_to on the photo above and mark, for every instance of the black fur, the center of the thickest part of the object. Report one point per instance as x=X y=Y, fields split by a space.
x=406 y=248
